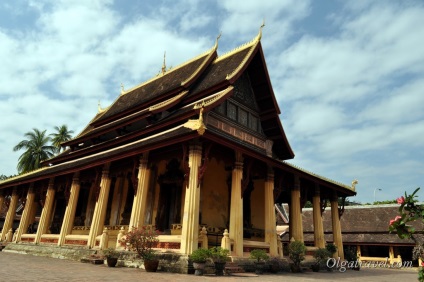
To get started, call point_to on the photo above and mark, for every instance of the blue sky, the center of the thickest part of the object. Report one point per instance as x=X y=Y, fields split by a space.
x=348 y=75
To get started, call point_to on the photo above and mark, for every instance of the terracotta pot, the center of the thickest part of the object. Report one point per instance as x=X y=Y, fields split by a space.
x=111 y=262
x=151 y=265
x=219 y=268
x=199 y=268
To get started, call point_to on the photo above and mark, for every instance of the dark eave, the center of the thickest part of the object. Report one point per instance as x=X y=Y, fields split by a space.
x=181 y=114
x=165 y=138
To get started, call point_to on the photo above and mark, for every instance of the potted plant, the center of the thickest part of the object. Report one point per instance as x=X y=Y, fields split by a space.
x=142 y=240
x=332 y=249
x=320 y=255
x=260 y=256
x=199 y=258
x=219 y=257
x=297 y=252
x=111 y=256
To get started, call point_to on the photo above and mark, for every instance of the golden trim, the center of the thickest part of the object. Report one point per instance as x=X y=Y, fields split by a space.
x=214 y=48
x=71 y=162
x=196 y=124
x=167 y=102
x=239 y=67
x=246 y=45
x=210 y=100
x=99 y=108
x=170 y=71
x=23 y=174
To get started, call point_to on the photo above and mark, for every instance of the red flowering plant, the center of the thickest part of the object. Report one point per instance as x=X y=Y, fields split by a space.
x=410 y=211
x=142 y=241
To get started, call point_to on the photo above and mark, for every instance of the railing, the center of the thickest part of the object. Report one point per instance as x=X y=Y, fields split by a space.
x=391 y=260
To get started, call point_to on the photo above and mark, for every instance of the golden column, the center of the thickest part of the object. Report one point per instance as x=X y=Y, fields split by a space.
x=337 y=230
x=29 y=203
x=190 y=229
x=318 y=227
x=236 y=209
x=44 y=222
x=140 y=198
x=1 y=200
x=296 y=211
x=270 y=222
x=10 y=216
x=68 y=218
x=100 y=208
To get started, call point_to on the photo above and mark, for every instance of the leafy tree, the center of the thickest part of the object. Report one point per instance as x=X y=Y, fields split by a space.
x=4 y=177
x=62 y=135
x=382 y=202
x=37 y=149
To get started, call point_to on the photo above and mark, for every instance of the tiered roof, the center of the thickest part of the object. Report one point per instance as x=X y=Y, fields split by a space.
x=171 y=108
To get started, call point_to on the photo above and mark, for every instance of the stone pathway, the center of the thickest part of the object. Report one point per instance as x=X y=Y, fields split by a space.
x=19 y=267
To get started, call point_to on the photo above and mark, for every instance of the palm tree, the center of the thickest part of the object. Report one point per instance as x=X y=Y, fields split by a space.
x=62 y=135
x=37 y=149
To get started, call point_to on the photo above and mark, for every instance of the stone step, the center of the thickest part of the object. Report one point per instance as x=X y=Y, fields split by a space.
x=93 y=260
x=232 y=267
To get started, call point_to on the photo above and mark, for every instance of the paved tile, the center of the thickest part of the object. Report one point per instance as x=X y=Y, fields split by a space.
x=19 y=267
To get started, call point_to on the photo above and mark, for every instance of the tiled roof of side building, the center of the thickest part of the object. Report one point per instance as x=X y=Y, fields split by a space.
x=365 y=223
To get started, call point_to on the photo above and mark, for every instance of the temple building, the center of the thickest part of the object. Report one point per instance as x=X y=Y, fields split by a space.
x=196 y=150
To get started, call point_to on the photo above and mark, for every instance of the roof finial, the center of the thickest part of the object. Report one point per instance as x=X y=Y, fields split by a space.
x=260 y=30
x=215 y=47
x=164 y=63
x=201 y=112
x=122 y=88
x=99 y=107
x=354 y=182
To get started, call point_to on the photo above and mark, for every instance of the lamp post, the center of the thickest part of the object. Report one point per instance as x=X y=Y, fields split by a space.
x=375 y=191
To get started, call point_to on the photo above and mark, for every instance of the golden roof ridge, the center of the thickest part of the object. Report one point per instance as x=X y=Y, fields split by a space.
x=246 y=45
x=196 y=72
x=210 y=51
x=165 y=103
x=23 y=174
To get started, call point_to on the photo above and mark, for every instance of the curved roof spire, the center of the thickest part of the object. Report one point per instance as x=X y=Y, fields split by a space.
x=99 y=108
x=122 y=88
x=259 y=36
x=214 y=48
x=164 y=63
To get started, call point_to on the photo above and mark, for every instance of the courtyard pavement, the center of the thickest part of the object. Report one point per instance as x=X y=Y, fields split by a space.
x=20 y=267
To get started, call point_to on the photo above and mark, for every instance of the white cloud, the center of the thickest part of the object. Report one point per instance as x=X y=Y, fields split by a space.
x=351 y=100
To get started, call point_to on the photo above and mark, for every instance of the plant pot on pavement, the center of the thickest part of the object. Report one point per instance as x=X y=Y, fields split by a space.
x=199 y=268
x=151 y=265
x=111 y=262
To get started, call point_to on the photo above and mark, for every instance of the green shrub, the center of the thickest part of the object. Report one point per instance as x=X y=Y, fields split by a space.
x=297 y=252
x=200 y=255
x=331 y=248
x=259 y=255
x=219 y=254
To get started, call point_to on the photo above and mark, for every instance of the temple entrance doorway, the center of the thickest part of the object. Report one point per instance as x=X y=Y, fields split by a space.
x=169 y=204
